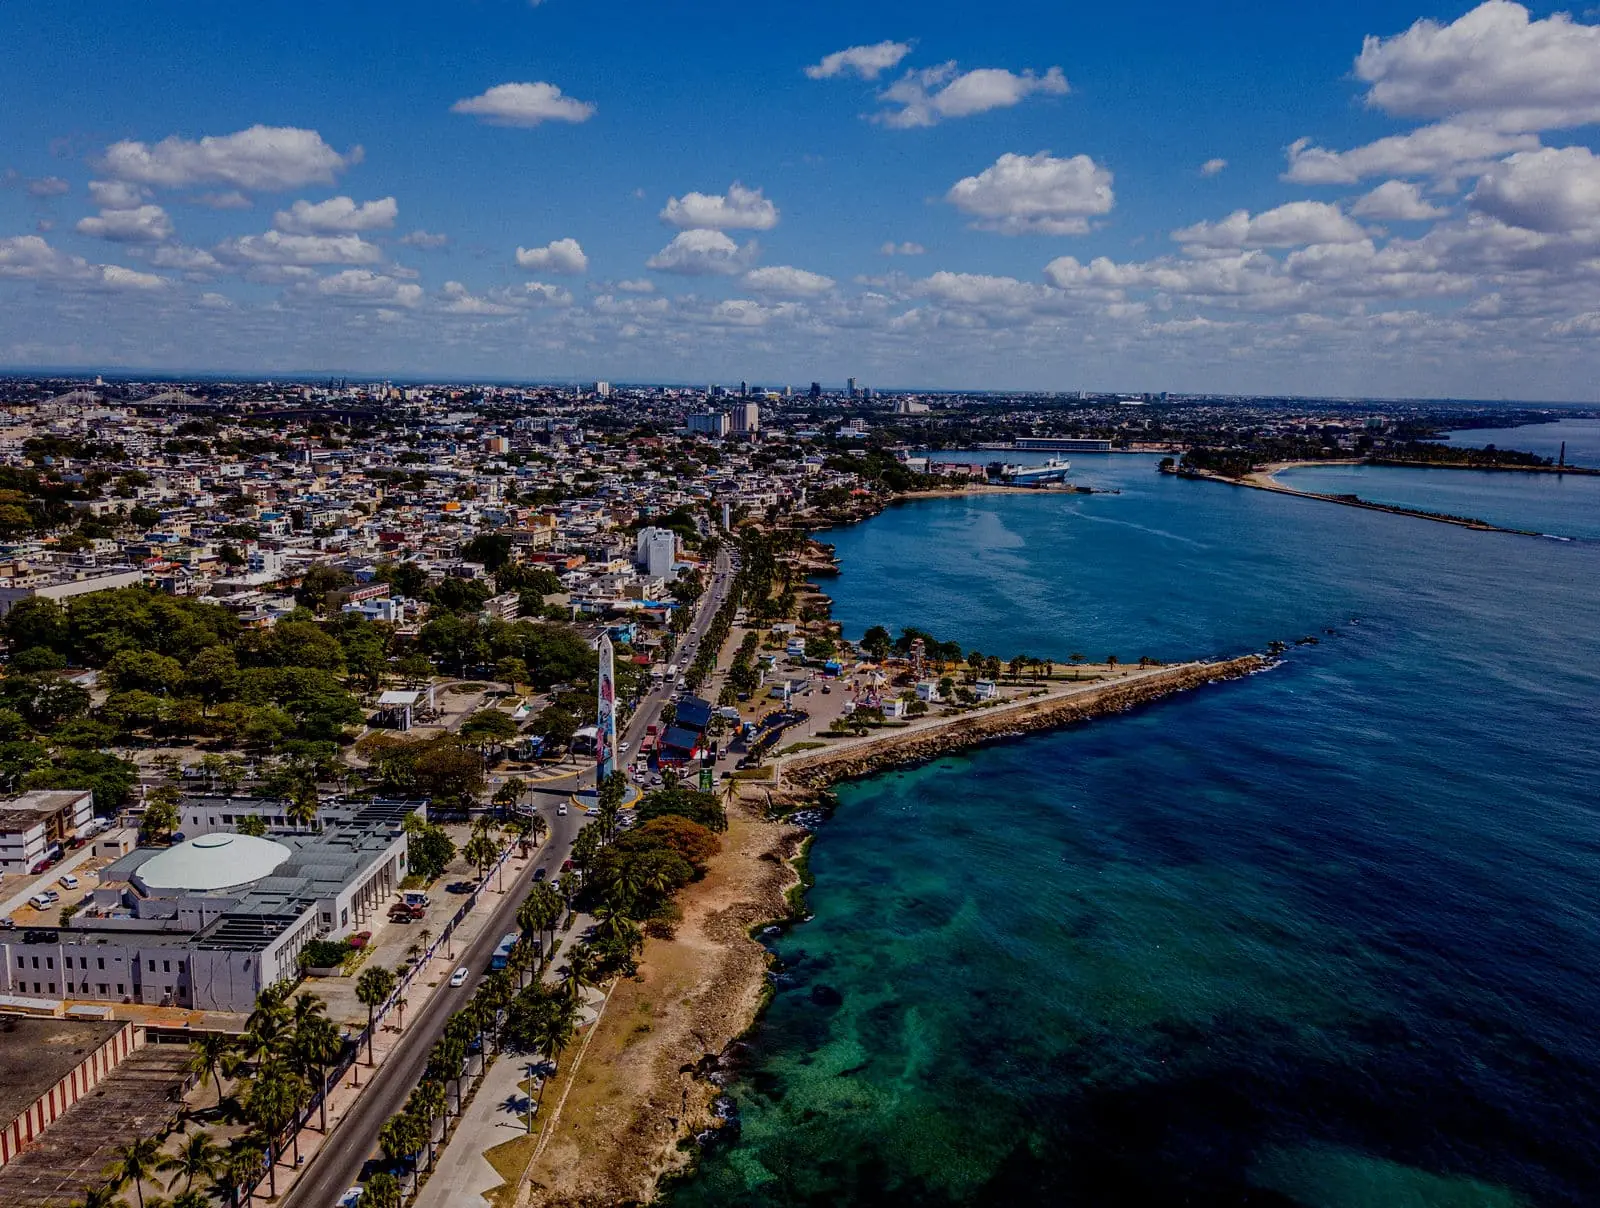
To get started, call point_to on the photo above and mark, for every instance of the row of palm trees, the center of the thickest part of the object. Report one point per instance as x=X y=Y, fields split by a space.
x=281 y=1060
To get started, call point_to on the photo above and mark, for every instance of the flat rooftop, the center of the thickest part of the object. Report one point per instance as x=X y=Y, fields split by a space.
x=35 y=1054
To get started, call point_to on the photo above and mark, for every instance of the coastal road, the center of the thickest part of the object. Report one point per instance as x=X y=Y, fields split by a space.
x=337 y=1165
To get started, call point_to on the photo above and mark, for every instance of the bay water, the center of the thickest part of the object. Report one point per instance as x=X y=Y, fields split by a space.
x=1326 y=936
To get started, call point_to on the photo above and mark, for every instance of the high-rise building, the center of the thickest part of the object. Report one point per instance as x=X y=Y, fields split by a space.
x=744 y=389
x=746 y=419
x=656 y=552
x=816 y=389
x=603 y=389
x=850 y=388
x=707 y=423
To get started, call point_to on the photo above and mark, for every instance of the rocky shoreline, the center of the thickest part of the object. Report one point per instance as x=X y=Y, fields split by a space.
x=816 y=771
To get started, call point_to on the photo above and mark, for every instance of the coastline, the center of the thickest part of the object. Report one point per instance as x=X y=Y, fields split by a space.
x=1265 y=480
x=648 y=1089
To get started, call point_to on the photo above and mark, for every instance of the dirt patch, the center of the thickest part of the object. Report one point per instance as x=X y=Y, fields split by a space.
x=632 y=1100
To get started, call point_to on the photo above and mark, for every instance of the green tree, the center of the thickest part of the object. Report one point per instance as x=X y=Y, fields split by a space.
x=382 y=1191
x=253 y=824
x=199 y=1157
x=373 y=988
x=210 y=1055
x=315 y=1046
x=134 y=1162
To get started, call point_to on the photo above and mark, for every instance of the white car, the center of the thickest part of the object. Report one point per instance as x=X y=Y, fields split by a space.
x=561 y=810
x=67 y=881
x=350 y=1198
x=459 y=978
x=39 y=902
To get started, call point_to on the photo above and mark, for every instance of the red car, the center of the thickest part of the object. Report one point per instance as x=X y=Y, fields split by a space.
x=566 y=866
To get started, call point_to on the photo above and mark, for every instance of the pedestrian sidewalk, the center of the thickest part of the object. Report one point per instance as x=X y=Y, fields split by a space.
x=498 y=1113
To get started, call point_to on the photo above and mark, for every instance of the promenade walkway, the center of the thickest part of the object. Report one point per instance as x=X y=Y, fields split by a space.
x=497 y=1113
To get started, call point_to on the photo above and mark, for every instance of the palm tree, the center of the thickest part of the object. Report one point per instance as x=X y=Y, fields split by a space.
x=191 y=1197
x=316 y=1046
x=210 y=1054
x=373 y=988
x=540 y=829
x=264 y=1038
x=553 y=1036
x=101 y=1195
x=241 y=1167
x=581 y=967
x=134 y=1162
x=1111 y=662
x=382 y=1191
x=430 y=1103
x=271 y=1104
x=302 y=810
x=199 y=1156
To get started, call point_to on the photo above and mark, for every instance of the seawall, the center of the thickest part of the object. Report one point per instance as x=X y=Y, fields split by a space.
x=817 y=770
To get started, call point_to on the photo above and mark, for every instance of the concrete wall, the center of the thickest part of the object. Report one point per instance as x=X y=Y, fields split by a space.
x=82 y=1079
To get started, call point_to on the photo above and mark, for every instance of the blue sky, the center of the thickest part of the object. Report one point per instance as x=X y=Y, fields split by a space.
x=1075 y=196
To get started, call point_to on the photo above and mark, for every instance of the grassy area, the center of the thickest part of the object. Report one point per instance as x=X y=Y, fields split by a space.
x=761 y=772
x=794 y=748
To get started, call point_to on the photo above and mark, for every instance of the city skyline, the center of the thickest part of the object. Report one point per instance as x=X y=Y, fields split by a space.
x=1390 y=200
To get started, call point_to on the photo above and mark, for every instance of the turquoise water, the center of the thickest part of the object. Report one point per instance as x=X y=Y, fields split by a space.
x=1327 y=936
x=1565 y=505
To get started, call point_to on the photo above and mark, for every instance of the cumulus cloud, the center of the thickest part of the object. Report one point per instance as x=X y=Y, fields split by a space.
x=981 y=289
x=867 y=62
x=1212 y=167
x=276 y=247
x=30 y=258
x=228 y=199
x=524 y=105
x=191 y=260
x=457 y=299
x=336 y=215
x=559 y=256
x=1445 y=151
x=1549 y=190
x=701 y=253
x=1397 y=201
x=1292 y=225
x=1035 y=194
x=260 y=158
x=47 y=186
x=786 y=280
x=542 y=293
x=928 y=96
x=1494 y=64
x=365 y=286
x=737 y=209
x=115 y=194
x=424 y=239
x=642 y=285
x=902 y=249
x=143 y=224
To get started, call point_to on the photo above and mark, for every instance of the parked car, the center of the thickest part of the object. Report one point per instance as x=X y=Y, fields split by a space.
x=566 y=866
x=350 y=1198
x=39 y=902
x=67 y=881
x=459 y=978
x=540 y=874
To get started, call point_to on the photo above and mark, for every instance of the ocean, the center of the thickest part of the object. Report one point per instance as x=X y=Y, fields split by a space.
x=1326 y=936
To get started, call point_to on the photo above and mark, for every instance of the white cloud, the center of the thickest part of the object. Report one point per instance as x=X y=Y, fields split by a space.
x=928 y=96
x=458 y=300
x=1212 y=167
x=1292 y=225
x=524 y=105
x=1446 y=151
x=786 y=280
x=559 y=256
x=424 y=240
x=700 y=253
x=228 y=199
x=275 y=247
x=48 y=186
x=143 y=224
x=115 y=194
x=544 y=294
x=262 y=157
x=1550 y=190
x=30 y=258
x=902 y=249
x=186 y=259
x=1397 y=201
x=739 y=209
x=363 y=285
x=336 y=215
x=1494 y=64
x=980 y=289
x=1035 y=194
x=642 y=285
x=867 y=62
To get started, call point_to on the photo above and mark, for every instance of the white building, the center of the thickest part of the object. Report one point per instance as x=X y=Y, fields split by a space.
x=708 y=423
x=63 y=587
x=657 y=552
x=31 y=823
x=746 y=419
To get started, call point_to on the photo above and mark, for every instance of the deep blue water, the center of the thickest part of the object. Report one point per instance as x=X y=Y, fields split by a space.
x=1327 y=936
x=1582 y=438
x=1564 y=505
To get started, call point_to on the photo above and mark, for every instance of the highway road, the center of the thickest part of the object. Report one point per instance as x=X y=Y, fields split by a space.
x=338 y=1165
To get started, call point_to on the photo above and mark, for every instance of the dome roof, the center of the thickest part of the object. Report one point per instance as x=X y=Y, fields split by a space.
x=211 y=862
